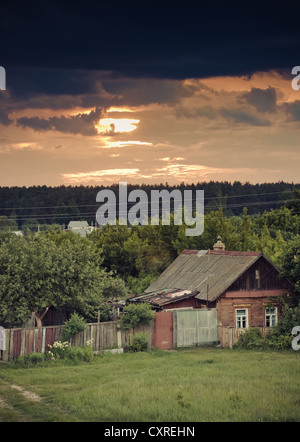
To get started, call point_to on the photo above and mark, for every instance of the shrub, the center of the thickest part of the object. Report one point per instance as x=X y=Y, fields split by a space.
x=57 y=350
x=251 y=338
x=73 y=326
x=28 y=360
x=136 y=314
x=77 y=354
x=139 y=343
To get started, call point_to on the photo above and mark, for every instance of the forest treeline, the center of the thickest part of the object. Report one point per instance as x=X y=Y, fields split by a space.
x=60 y=268
x=29 y=206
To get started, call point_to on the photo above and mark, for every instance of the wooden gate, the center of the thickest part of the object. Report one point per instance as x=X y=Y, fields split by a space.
x=195 y=327
x=163 y=331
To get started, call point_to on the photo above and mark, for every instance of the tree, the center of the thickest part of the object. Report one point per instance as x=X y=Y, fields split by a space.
x=136 y=314
x=36 y=274
x=8 y=224
x=290 y=261
x=294 y=202
x=114 y=288
x=264 y=242
x=66 y=213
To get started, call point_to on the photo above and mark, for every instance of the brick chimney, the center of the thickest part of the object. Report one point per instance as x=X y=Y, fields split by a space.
x=219 y=245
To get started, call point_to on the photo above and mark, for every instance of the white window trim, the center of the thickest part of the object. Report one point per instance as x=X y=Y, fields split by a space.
x=236 y=318
x=271 y=314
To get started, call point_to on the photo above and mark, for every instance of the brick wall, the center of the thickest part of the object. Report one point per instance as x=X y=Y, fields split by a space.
x=255 y=306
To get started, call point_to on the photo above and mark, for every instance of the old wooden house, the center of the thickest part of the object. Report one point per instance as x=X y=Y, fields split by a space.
x=243 y=287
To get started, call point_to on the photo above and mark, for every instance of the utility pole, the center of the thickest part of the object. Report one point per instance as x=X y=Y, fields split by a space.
x=207 y=284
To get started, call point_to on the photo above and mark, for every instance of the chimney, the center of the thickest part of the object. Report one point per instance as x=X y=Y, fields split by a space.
x=219 y=245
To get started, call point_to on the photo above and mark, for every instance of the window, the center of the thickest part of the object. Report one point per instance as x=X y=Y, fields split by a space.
x=257 y=279
x=271 y=316
x=241 y=318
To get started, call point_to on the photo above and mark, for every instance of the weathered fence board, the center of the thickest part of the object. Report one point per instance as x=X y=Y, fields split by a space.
x=228 y=336
x=105 y=335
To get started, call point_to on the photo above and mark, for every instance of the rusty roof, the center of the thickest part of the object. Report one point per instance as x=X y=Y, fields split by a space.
x=158 y=298
x=194 y=269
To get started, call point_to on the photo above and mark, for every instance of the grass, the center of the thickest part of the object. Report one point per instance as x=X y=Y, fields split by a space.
x=204 y=384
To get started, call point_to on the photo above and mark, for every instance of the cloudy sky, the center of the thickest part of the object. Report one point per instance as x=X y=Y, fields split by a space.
x=148 y=92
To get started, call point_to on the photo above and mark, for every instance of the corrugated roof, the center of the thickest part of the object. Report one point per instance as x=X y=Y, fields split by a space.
x=162 y=297
x=193 y=269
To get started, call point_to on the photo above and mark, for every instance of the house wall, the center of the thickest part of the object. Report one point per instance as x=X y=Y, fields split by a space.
x=188 y=302
x=256 y=311
x=268 y=278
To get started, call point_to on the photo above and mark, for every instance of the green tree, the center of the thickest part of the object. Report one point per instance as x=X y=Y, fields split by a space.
x=8 y=224
x=245 y=230
x=290 y=261
x=271 y=247
x=294 y=202
x=114 y=289
x=36 y=274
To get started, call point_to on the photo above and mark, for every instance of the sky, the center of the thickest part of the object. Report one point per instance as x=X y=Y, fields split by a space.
x=148 y=92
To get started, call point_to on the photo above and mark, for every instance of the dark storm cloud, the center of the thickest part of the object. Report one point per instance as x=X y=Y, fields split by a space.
x=76 y=124
x=241 y=116
x=264 y=100
x=149 y=39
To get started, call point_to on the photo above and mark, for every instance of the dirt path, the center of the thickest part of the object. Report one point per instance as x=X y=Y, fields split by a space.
x=5 y=407
x=27 y=394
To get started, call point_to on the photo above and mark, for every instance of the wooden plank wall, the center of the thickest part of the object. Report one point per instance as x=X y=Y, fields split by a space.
x=105 y=335
x=228 y=336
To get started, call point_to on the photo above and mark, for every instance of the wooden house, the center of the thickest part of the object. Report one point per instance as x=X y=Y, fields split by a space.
x=244 y=287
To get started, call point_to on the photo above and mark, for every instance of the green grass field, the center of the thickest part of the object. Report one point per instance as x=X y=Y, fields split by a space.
x=204 y=384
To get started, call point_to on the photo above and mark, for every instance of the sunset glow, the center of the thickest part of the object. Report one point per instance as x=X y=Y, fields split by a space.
x=116 y=125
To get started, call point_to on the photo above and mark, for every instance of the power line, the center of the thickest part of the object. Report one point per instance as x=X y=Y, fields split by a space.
x=93 y=205
x=120 y=213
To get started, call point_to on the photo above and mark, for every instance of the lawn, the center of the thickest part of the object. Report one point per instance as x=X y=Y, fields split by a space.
x=204 y=384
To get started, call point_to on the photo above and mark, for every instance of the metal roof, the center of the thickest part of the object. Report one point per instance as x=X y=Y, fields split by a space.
x=194 y=269
x=159 y=298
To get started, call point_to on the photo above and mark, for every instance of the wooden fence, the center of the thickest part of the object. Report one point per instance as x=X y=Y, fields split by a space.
x=228 y=336
x=105 y=335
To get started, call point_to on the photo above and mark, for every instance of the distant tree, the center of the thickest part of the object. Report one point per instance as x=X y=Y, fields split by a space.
x=245 y=230
x=294 y=202
x=31 y=224
x=64 y=213
x=8 y=224
x=290 y=261
x=271 y=247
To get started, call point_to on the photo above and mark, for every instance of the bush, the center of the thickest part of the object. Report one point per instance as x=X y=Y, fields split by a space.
x=136 y=314
x=73 y=326
x=251 y=338
x=139 y=343
x=28 y=360
x=57 y=350
x=76 y=354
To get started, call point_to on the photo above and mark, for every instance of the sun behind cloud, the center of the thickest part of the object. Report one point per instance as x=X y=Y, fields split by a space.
x=116 y=125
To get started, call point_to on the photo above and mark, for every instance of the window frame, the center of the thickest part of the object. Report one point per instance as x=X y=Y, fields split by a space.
x=241 y=318
x=272 y=315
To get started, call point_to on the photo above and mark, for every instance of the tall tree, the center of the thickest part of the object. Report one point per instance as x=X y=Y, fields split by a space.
x=36 y=274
